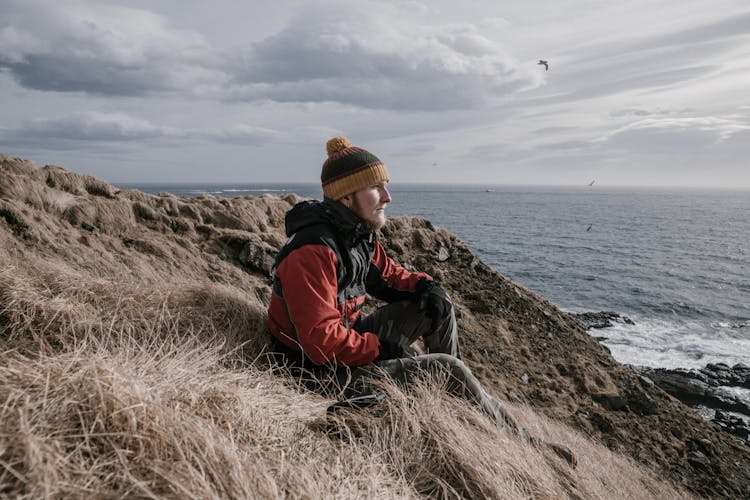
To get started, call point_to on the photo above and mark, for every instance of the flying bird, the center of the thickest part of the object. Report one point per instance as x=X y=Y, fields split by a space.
x=589 y=228
x=544 y=63
x=591 y=183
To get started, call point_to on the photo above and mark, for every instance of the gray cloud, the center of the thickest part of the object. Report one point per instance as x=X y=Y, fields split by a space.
x=241 y=134
x=90 y=127
x=629 y=112
x=494 y=153
x=366 y=56
x=69 y=74
x=552 y=130
x=661 y=141
x=734 y=25
x=357 y=54
x=93 y=128
x=645 y=63
x=103 y=50
x=678 y=137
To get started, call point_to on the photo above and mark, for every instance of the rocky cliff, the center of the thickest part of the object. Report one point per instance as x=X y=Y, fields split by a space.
x=520 y=345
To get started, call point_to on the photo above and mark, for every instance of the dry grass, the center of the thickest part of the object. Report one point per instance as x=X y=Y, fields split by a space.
x=112 y=390
x=53 y=307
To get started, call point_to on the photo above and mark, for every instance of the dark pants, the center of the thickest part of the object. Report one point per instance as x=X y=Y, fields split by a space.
x=401 y=322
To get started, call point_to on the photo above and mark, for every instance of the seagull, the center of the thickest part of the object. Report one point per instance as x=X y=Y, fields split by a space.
x=589 y=228
x=591 y=183
x=544 y=63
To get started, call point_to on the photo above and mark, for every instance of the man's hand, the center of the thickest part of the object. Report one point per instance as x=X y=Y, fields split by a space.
x=390 y=350
x=432 y=300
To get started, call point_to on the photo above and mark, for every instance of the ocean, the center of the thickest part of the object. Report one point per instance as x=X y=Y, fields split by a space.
x=674 y=261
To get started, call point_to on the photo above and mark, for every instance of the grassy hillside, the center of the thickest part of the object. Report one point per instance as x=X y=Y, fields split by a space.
x=132 y=332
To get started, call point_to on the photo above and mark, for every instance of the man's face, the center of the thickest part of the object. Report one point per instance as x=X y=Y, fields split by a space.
x=369 y=204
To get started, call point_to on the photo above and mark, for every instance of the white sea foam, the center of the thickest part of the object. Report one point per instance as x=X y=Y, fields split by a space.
x=670 y=344
x=254 y=190
x=739 y=392
x=728 y=324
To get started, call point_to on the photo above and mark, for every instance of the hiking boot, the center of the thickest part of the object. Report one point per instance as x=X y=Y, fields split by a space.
x=563 y=452
x=560 y=450
x=373 y=398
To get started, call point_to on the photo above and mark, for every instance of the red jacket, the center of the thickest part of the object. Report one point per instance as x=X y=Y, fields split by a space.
x=322 y=274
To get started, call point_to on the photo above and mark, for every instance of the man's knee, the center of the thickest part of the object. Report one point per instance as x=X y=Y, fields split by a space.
x=446 y=311
x=450 y=363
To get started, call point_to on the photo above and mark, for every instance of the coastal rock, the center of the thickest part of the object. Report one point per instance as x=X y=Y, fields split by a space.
x=699 y=460
x=718 y=374
x=702 y=445
x=640 y=401
x=694 y=388
x=256 y=258
x=443 y=254
x=598 y=320
x=612 y=402
x=733 y=425
x=704 y=389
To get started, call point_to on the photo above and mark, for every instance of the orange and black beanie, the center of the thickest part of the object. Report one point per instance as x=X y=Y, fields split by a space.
x=349 y=169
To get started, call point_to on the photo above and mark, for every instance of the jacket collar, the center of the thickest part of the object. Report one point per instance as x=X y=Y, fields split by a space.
x=345 y=223
x=349 y=224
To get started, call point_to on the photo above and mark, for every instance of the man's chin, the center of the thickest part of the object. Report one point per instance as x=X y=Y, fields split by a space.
x=376 y=224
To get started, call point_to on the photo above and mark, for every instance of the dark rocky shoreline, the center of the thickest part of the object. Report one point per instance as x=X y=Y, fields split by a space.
x=704 y=390
x=599 y=320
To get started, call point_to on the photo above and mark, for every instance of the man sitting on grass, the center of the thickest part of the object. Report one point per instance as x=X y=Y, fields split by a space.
x=331 y=260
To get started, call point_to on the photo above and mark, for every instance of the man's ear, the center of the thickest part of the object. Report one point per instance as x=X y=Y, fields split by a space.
x=347 y=200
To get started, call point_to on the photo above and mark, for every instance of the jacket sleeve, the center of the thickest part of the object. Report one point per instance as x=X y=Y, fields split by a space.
x=388 y=281
x=309 y=286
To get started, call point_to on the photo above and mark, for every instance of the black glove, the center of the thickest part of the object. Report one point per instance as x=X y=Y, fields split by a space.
x=432 y=299
x=390 y=350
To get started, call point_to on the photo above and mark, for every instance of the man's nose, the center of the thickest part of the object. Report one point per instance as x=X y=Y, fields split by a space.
x=385 y=196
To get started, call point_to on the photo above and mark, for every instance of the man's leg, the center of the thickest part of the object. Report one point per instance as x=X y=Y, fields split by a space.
x=403 y=323
x=460 y=382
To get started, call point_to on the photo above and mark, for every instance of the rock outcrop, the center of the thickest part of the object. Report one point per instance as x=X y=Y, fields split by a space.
x=598 y=320
x=706 y=390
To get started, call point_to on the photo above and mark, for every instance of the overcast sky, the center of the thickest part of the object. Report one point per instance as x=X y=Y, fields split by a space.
x=644 y=93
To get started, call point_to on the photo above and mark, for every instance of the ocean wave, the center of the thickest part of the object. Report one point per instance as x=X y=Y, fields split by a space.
x=254 y=190
x=738 y=392
x=674 y=344
x=731 y=325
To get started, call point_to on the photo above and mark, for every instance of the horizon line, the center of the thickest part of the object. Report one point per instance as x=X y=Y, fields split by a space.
x=445 y=184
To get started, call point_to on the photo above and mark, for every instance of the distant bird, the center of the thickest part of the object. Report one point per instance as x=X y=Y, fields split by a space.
x=591 y=183
x=589 y=228
x=544 y=63
x=434 y=164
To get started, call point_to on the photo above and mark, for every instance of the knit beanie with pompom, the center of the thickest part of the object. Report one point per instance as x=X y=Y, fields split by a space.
x=349 y=169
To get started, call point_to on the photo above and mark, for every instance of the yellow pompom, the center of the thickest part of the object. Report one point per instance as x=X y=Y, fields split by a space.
x=337 y=144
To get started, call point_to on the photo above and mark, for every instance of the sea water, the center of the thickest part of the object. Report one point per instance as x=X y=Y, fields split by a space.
x=674 y=261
